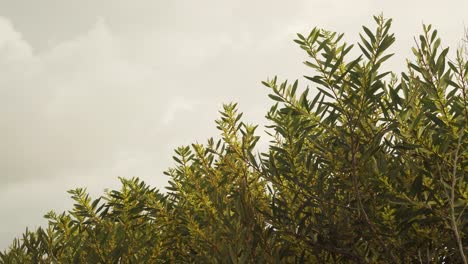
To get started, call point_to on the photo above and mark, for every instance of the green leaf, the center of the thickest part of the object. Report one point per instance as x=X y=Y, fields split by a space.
x=369 y=34
x=435 y=119
x=276 y=98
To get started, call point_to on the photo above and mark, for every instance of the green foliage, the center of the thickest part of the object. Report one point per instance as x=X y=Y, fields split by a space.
x=370 y=169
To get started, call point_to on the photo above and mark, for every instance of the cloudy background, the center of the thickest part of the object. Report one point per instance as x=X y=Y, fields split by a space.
x=91 y=90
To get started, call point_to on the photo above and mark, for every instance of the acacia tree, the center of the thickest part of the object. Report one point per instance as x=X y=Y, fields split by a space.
x=371 y=169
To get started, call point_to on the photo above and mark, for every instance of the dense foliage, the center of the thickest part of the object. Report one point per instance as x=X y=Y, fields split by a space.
x=371 y=169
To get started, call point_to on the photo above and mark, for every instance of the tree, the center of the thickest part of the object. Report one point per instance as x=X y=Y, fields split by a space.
x=371 y=169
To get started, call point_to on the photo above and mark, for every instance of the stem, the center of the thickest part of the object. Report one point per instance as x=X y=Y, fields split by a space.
x=361 y=209
x=453 y=218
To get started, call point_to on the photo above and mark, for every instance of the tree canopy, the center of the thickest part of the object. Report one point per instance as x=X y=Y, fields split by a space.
x=370 y=166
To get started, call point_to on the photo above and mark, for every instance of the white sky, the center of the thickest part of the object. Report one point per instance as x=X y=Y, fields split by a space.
x=91 y=90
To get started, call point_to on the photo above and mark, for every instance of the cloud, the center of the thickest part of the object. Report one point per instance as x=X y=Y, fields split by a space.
x=99 y=103
x=77 y=114
x=73 y=107
x=12 y=46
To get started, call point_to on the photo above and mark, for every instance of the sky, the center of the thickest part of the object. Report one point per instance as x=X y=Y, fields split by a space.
x=92 y=90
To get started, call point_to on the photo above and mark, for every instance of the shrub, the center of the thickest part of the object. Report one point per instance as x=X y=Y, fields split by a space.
x=371 y=168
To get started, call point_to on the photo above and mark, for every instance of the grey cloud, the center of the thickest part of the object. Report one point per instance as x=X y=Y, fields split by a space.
x=74 y=108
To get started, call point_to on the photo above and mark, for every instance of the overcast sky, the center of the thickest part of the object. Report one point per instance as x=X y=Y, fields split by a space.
x=91 y=90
